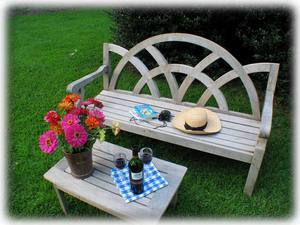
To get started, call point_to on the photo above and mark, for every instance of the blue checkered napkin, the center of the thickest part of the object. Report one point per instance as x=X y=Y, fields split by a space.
x=152 y=181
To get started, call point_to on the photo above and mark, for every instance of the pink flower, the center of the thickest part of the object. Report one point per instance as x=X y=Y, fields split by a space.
x=75 y=111
x=48 y=142
x=76 y=135
x=69 y=120
x=98 y=114
x=52 y=117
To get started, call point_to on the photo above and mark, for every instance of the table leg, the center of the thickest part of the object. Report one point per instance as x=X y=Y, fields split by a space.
x=174 y=201
x=61 y=198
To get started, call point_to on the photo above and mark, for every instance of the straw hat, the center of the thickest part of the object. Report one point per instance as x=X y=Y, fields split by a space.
x=197 y=121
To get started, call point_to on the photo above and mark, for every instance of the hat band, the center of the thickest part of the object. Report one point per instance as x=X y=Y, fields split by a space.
x=188 y=127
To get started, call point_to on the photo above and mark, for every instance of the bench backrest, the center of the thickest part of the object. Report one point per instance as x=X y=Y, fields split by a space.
x=178 y=92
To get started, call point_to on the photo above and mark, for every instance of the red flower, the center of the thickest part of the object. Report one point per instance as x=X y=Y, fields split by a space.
x=79 y=111
x=85 y=103
x=95 y=102
x=84 y=111
x=52 y=117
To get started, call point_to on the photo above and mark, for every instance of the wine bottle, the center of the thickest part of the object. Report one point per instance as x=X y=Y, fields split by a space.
x=136 y=172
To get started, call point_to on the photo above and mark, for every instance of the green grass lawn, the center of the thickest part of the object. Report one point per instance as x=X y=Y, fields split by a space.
x=40 y=67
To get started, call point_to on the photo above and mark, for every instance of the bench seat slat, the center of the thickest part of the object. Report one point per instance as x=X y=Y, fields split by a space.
x=244 y=138
x=229 y=131
x=224 y=151
x=228 y=124
x=119 y=103
x=186 y=137
x=121 y=94
x=239 y=148
x=235 y=142
x=245 y=128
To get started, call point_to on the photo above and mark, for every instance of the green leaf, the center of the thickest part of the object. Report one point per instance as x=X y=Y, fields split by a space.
x=102 y=135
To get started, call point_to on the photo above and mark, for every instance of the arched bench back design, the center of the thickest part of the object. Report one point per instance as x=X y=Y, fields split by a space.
x=196 y=72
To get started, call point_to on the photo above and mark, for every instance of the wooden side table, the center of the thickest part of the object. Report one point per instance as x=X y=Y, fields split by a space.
x=99 y=190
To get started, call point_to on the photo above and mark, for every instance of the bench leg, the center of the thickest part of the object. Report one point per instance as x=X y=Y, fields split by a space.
x=255 y=166
x=61 y=197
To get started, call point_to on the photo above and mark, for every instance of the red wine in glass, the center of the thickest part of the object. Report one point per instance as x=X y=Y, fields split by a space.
x=146 y=155
x=120 y=163
x=147 y=158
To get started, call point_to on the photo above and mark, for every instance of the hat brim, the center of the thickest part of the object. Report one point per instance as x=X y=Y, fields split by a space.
x=213 y=123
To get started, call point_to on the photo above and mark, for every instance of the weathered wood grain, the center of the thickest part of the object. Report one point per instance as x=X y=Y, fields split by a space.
x=139 y=65
x=192 y=72
x=221 y=138
x=255 y=166
x=128 y=98
x=61 y=198
x=267 y=113
x=78 y=85
x=200 y=41
x=161 y=60
x=107 y=63
x=99 y=191
x=212 y=57
x=241 y=135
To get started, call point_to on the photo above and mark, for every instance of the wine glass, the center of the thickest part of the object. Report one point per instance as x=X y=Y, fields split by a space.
x=120 y=161
x=146 y=156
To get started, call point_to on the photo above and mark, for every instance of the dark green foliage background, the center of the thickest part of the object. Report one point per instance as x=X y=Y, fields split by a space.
x=251 y=35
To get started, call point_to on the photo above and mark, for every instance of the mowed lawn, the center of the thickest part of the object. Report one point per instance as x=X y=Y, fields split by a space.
x=46 y=52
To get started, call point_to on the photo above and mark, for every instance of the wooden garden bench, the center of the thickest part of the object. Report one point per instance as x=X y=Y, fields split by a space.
x=243 y=136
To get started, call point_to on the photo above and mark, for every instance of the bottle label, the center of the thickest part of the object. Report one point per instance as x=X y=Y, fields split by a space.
x=137 y=176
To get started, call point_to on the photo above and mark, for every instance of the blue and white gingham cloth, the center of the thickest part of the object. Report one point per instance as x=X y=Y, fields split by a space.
x=152 y=181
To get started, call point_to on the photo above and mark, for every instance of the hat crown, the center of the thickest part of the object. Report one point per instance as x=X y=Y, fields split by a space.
x=196 y=117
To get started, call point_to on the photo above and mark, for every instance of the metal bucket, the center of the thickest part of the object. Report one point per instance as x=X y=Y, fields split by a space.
x=81 y=164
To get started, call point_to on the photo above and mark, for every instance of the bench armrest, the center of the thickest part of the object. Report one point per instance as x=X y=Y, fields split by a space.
x=267 y=113
x=78 y=85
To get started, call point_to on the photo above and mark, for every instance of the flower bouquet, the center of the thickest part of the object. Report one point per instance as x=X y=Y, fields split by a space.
x=75 y=128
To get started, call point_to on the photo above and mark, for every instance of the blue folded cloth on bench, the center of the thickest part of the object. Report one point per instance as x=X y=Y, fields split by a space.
x=152 y=181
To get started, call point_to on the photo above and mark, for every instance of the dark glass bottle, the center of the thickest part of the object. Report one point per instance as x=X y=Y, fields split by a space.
x=136 y=172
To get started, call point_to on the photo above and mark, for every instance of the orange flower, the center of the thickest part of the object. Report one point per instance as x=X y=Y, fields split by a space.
x=56 y=128
x=72 y=98
x=68 y=102
x=66 y=105
x=92 y=122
